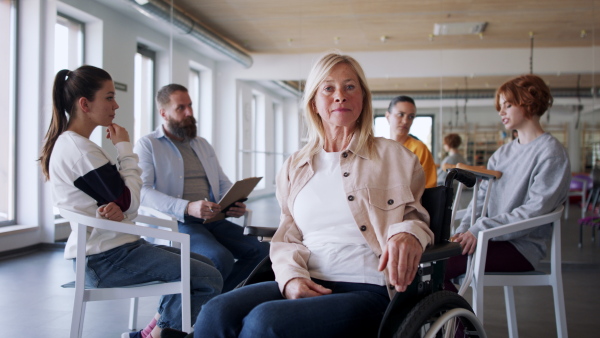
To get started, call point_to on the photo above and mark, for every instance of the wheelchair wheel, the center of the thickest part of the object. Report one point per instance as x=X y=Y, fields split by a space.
x=441 y=314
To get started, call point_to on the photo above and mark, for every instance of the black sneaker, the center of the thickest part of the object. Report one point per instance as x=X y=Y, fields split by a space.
x=172 y=333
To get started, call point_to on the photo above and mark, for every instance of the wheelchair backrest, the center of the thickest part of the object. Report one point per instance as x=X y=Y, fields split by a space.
x=438 y=202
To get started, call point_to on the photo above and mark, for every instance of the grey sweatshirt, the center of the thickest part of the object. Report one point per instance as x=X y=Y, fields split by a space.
x=535 y=181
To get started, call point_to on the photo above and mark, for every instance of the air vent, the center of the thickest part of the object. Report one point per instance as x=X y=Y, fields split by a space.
x=459 y=28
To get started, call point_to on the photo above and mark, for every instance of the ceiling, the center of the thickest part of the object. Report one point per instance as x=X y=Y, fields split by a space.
x=307 y=26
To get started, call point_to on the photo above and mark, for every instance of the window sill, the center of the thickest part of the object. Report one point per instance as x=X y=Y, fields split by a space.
x=16 y=229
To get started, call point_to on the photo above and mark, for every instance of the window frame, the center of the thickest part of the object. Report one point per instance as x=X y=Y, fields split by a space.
x=146 y=52
x=12 y=38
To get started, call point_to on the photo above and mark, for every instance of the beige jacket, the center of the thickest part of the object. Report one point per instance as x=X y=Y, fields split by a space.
x=383 y=190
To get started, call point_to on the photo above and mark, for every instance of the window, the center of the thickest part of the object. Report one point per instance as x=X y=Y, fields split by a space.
x=422 y=128
x=68 y=43
x=69 y=52
x=194 y=91
x=8 y=24
x=258 y=139
x=278 y=124
x=143 y=96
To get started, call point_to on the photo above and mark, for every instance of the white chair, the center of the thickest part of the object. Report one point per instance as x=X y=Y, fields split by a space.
x=509 y=280
x=84 y=295
x=476 y=277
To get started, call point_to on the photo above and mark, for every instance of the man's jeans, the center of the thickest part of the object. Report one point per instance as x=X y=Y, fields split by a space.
x=140 y=262
x=224 y=243
x=259 y=310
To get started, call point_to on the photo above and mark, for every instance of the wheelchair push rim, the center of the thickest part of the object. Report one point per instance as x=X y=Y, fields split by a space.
x=441 y=314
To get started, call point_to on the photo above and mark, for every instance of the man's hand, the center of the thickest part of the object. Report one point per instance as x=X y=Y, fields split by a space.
x=467 y=241
x=401 y=256
x=237 y=210
x=112 y=212
x=304 y=288
x=203 y=209
x=116 y=133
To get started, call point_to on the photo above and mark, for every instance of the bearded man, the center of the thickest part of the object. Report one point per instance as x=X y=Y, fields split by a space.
x=183 y=178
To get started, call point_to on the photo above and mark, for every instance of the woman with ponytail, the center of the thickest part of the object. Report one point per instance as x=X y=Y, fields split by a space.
x=85 y=180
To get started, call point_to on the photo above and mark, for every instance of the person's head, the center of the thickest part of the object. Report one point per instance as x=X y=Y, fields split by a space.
x=400 y=114
x=337 y=94
x=452 y=141
x=175 y=107
x=87 y=91
x=527 y=94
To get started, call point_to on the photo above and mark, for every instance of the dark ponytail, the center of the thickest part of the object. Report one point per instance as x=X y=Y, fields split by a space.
x=68 y=87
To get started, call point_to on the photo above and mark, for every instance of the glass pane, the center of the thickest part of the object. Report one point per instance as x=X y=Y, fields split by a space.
x=143 y=96
x=7 y=94
x=422 y=128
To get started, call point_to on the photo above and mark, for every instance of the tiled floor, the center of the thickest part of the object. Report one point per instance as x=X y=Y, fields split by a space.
x=32 y=304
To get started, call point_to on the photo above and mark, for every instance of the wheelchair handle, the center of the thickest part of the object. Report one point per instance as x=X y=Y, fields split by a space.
x=465 y=177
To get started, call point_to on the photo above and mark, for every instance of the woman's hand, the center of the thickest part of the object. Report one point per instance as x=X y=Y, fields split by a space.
x=116 y=133
x=112 y=212
x=304 y=288
x=401 y=257
x=236 y=211
x=467 y=241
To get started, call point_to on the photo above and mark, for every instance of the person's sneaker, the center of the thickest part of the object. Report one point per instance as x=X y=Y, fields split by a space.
x=136 y=334
x=172 y=333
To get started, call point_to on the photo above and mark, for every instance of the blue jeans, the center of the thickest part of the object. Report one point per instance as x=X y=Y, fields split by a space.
x=259 y=310
x=140 y=262
x=224 y=243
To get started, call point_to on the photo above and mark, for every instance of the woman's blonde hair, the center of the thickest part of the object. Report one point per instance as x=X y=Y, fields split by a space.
x=316 y=130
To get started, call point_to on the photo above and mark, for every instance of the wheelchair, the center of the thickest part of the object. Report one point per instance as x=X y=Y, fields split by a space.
x=424 y=309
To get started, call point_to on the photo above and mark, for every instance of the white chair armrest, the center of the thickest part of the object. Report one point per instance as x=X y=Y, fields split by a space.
x=519 y=226
x=144 y=210
x=126 y=227
x=159 y=222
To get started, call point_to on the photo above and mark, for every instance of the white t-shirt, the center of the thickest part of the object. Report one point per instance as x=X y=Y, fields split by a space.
x=339 y=252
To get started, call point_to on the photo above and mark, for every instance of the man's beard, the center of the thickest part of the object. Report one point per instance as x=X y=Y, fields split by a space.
x=184 y=129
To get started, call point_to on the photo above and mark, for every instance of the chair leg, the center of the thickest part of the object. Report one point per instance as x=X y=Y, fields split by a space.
x=559 y=308
x=478 y=302
x=77 y=319
x=511 y=313
x=133 y=311
x=580 y=235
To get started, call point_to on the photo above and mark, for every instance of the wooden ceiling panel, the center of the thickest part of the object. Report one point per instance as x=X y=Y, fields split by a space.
x=266 y=26
x=315 y=26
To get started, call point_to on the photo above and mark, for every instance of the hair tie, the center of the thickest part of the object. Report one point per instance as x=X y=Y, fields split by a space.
x=68 y=75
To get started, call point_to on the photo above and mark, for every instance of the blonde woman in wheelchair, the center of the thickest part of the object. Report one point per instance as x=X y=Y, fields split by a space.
x=535 y=180
x=352 y=228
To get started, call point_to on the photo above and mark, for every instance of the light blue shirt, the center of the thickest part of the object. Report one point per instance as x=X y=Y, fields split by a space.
x=163 y=172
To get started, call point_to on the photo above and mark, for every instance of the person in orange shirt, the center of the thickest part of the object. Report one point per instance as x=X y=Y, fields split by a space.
x=400 y=115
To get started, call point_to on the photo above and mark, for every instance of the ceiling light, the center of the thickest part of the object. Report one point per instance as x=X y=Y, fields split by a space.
x=459 y=28
x=141 y=2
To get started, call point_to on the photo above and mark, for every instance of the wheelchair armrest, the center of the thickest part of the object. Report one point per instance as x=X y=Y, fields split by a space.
x=259 y=231
x=439 y=252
